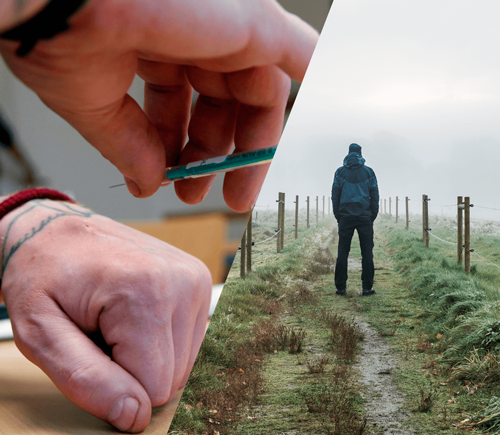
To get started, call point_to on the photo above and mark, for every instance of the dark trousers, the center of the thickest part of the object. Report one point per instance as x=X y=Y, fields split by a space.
x=364 y=227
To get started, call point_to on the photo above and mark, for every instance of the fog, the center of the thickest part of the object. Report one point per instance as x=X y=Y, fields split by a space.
x=416 y=84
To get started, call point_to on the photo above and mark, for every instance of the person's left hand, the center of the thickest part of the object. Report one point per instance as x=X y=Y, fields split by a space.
x=113 y=316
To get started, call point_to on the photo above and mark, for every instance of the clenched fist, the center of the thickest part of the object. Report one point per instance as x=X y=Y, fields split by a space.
x=113 y=316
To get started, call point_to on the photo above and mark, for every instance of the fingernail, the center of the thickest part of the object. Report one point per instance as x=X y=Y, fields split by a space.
x=133 y=188
x=166 y=182
x=123 y=413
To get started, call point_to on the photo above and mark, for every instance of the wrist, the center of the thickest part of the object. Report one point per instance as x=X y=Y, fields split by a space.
x=26 y=214
x=15 y=12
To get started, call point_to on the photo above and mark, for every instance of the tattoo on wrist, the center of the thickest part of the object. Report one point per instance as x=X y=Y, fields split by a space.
x=60 y=209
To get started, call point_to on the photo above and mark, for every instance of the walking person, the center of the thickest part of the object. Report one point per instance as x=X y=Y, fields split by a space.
x=355 y=200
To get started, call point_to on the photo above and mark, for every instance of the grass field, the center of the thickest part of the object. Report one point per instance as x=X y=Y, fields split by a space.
x=281 y=350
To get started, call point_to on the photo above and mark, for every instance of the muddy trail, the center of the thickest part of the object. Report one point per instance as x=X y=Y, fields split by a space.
x=376 y=365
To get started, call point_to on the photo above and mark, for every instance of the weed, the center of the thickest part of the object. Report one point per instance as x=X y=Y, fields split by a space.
x=389 y=331
x=423 y=345
x=318 y=365
x=478 y=368
x=491 y=416
x=264 y=334
x=269 y=337
x=241 y=385
x=426 y=400
x=302 y=294
x=321 y=263
x=281 y=337
x=345 y=334
x=333 y=399
x=296 y=340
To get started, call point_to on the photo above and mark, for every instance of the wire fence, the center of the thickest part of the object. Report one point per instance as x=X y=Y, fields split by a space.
x=463 y=207
x=315 y=213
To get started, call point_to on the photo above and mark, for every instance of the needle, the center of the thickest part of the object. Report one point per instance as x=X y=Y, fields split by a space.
x=220 y=164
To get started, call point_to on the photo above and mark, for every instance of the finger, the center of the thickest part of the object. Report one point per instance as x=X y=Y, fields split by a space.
x=298 y=51
x=263 y=93
x=230 y=35
x=211 y=130
x=274 y=37
x=198 y=336
x=124 y=136
x=167 y=104
x=185 y=334
x=83 y=373
x=90 y=92
x=140 y=315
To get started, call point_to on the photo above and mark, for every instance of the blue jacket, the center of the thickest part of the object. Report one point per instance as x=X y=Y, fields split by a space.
x=355 y=189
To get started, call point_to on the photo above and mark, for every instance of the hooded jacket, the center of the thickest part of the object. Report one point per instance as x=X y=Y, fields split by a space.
x=355 y=189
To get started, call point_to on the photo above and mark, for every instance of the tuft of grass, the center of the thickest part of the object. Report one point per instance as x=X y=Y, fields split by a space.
x=318 y=365
x=478 y=368
x=344 y=334
x=331 y=396
x=426 y=400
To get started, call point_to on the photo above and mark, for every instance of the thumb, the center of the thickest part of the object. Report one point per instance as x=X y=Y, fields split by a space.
x=81 y=370
x=124 y=136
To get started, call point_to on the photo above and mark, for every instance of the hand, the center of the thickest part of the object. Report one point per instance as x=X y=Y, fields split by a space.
x=237 y=54
x=114 y=317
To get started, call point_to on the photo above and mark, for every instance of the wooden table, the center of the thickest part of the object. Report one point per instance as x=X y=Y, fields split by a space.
x=30 y=404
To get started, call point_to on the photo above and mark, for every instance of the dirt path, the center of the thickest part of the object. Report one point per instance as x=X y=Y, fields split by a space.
x=375 y=366
x=384 y=402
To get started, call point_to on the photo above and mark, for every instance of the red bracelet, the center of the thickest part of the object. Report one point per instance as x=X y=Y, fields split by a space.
x=20 y=198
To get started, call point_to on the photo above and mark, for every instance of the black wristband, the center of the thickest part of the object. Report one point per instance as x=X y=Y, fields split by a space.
x=49 y=22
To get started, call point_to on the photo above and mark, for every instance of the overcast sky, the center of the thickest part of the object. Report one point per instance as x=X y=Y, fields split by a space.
x=417 y=85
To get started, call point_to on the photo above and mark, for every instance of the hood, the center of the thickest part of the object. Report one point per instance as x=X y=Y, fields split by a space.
x=354 y=160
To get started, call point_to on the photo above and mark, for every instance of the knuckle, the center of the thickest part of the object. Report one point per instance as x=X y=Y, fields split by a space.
x=200 y=280
x=79 y=380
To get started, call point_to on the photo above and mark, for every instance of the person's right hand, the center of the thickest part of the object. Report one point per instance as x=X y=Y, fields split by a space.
x=238 y=54
x=113 y=316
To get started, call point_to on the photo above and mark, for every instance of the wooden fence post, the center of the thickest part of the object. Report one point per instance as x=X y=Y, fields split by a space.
x=467 y=235
x=407 y=214
x=385 y=206
x=282 y=221
x=323 y=206
x=425 y=219
x=317 y=209
x=397 y=201
x=460 y=228
x=296 y=215
x=307 y=200
x=278 y=235
x=390 y=204
x=243 y=252
x=249 y=244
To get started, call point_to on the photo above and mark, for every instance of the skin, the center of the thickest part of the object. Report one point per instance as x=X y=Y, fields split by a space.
x=238 y=54
x=107 y=312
